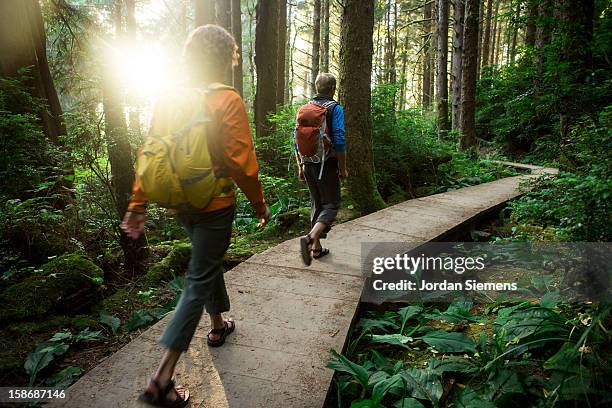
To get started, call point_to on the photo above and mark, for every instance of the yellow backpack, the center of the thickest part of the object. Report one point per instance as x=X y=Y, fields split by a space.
x=174 y=166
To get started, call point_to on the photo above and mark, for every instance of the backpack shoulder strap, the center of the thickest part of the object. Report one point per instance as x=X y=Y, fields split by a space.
x=217 y=86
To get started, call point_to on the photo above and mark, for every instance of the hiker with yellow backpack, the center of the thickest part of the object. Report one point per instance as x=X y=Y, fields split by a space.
x=320 y=151
x=198 y=147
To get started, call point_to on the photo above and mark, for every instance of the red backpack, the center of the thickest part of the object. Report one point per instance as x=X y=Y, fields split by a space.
x=312 y=133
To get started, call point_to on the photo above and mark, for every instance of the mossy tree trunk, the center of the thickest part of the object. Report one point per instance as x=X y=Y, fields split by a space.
x=237 y=33
x=486 y=40
x=325 y=41
x=442 y=73
x=459 y=7
x=530 y=22
x=427 y=55
x=282 y=42
x=23 y=44
x=266 y=62
x=316 y=42
x=468 y=77
x=356 y=46
x=577 y=56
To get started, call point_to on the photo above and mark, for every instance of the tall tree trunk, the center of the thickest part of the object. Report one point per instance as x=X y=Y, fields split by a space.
x=289 y=59
x=515 y=29
x=130 y=20
x=119 y=151
x=356 y=49
x=427 y=55
x=393 y=77
x=402 y=95
x=530 y=22
x=325 y=42
x=131 y=38
x=266 y=62
x=251 y=55
x=576 y=54
x=204 y=12
x=23 y=44
x=223 y=14
x=468 y=79
x=316 y=43
x=498 y=43
x=432 y=51
x=486 y=41
x=457 y=62
x=223 y=17
x=282 y=45
x=237 y=33
x=389 y=58
x=494 y=33
x=442 y=81
x=542 y=39
x=480 y=35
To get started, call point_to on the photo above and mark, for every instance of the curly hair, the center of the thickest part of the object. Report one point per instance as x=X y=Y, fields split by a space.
x=210 y=50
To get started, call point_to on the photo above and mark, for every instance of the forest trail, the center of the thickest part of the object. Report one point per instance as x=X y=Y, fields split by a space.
x=288 y=316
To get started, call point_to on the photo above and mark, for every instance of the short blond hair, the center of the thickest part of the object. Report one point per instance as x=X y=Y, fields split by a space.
x=210 y=48
x=325 y=83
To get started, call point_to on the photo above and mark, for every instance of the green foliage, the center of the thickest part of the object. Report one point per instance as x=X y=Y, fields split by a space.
x=110 y=321
x=46 y=352
x=41 y=357
x=449 y=342
x=28 y=162
x=140 y=318
x=464 y=171
x=52 y=289
x=533 y=354
x=405 y=146
x=279 y=143
x=576 y=208
x=36 y=229
x=65 y=377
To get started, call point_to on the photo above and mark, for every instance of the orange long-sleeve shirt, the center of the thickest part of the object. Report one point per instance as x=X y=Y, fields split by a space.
x=232 y=140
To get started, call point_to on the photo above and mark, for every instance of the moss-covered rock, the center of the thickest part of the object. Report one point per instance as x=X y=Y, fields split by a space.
x=77 y=323
x=173 y=264
x=67 y=283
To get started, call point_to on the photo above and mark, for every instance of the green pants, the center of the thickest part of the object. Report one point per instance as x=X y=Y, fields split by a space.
x=210 y=235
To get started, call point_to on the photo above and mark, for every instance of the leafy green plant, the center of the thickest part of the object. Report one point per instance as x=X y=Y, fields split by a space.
x=45 y=353
x=543 y=354
x=110 y=321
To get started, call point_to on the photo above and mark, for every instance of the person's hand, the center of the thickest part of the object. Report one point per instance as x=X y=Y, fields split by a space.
x=301 y=175
x=264 y=218
x=133 y=224
x=343 y=174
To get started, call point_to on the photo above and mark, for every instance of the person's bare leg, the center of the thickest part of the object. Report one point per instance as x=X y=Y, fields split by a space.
x=216 y=322
x=315 y=235
x=164 y=374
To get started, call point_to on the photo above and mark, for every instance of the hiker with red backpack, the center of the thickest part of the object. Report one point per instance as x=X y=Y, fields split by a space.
x=320 y=151
x=199 y=145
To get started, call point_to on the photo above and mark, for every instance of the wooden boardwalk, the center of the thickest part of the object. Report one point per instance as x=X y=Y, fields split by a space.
x=288 y=316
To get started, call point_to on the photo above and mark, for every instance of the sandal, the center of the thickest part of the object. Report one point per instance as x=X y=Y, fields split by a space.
x=160 y=399
x=305 y=249
x=229 y=326
x=319 y=253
